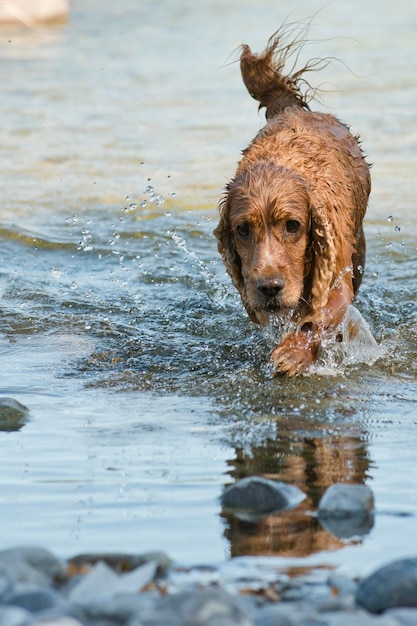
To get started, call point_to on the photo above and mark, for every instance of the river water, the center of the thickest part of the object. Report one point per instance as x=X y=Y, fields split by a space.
x=148 y=388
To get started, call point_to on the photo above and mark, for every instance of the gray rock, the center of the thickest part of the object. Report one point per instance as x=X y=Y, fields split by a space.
x=103 y=583
x=200 y=607
x=254 y=497
x=34 y=599
x=347 y=510
x=394 y=585
x=32 y=565
x=14 y=616
x=121 y=609
x=282 y=614
x=5 y=583
x=344 y=500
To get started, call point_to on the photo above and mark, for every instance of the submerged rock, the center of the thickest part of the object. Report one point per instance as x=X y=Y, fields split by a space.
x=13 y=414
x=394 y=585
x=254 y=497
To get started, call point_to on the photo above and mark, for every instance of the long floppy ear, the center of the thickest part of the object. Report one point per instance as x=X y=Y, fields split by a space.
x=226 y=246
x=333 y=245
x=324 y=257
x=231 y=259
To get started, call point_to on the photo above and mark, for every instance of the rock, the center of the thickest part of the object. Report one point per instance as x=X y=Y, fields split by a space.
x=121 y=609
x=254 y=497
x=280 y=614
x=201 y=607
x=34 y=599
x=6 y=585
x=32 y=565
x=13 y=414
x=103 y=583
x=394 y=585
x=344 y=500
x=14 y=616
x=347 y=510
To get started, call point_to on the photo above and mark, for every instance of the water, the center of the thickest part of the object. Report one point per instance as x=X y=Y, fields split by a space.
x=148 y=388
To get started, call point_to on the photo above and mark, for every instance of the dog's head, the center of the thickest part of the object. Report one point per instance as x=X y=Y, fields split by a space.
x=274 y=242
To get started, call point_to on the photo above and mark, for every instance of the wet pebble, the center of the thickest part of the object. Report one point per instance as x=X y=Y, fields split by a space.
x=32 y=565
x=255 y=496
x=394 y=585
x=203 y=607
x=33 y=599
x=346 y=510
x=14 y=616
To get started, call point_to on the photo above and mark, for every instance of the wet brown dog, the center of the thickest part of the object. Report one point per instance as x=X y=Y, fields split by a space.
x=290 y=230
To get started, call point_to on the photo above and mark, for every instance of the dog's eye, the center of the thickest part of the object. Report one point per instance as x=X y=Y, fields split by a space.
x=292 y=226
x=243 y=230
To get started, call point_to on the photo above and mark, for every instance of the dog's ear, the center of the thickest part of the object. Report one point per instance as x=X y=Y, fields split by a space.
x=230 y=256
x=226 y=245
x=324 y=259
x=333 y=243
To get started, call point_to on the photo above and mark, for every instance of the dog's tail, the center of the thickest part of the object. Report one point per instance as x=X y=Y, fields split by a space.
x=264 y=78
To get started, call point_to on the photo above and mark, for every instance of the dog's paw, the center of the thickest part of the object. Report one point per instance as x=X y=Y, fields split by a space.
x=295 y=354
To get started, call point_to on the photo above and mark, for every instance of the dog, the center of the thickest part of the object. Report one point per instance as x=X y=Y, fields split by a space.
x=290 y=231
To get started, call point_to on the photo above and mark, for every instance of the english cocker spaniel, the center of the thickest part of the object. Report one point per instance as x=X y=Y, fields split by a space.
x=290 y=230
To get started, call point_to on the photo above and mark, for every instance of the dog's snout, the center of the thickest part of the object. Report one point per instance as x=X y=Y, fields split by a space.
x=270 y=287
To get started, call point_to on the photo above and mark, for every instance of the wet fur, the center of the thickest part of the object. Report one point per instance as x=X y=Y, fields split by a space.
x=303 y=168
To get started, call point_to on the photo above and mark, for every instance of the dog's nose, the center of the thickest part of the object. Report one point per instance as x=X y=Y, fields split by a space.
x=270 y=287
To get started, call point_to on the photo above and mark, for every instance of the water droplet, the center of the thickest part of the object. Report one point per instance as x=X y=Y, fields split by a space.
x=133 y=206
x=389 y=218
x=85 y=243
x=360 y=269
x=74 y=285
x=56 y=272
x=159 y=199
x=143 y=204
x=149 y=190
x=397 y=229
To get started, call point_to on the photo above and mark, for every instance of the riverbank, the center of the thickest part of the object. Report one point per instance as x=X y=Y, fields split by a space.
x=149 y=590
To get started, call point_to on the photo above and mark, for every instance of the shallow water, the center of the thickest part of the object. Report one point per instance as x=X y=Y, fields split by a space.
x=149 y=390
